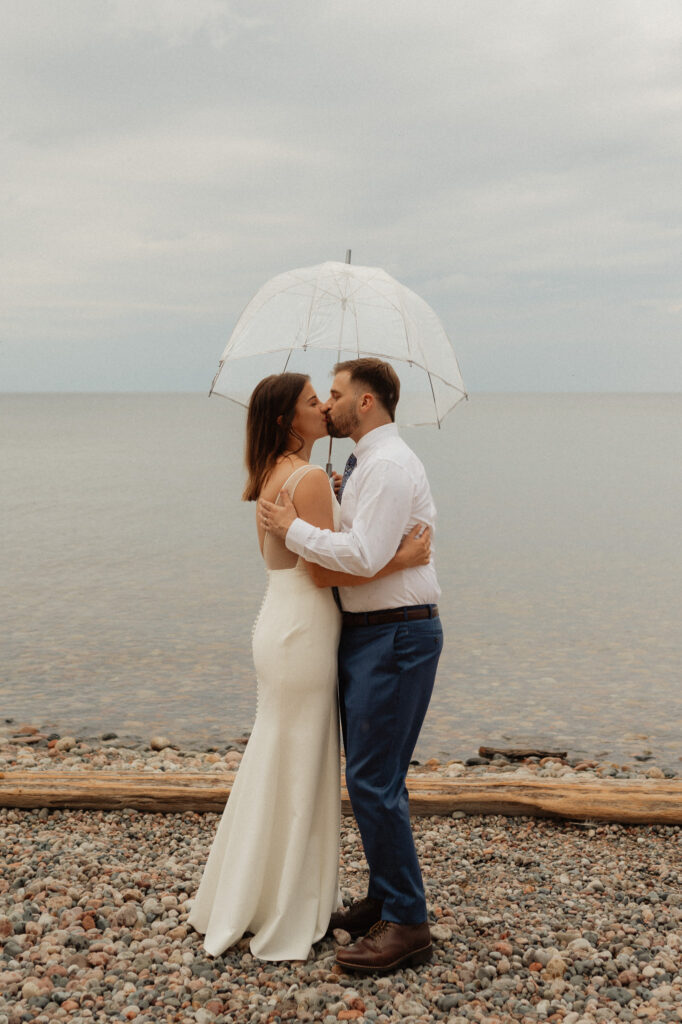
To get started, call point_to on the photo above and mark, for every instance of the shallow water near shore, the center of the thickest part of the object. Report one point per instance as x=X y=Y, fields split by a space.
x=132 y=576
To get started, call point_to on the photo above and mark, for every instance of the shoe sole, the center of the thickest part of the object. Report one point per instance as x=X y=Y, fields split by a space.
x=413 y=959
x=356 y=933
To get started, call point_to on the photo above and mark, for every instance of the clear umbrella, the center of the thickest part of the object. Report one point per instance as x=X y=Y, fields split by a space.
x=308 y=319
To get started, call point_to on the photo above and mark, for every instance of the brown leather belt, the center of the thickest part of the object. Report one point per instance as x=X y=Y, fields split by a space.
x=379 y=618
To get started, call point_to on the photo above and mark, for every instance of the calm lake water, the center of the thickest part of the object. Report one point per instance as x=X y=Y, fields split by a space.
x=131 y=575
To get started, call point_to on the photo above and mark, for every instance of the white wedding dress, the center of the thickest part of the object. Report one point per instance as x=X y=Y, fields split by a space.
x=273 y=866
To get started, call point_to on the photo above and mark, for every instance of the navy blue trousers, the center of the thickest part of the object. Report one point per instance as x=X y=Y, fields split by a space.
x=386 y=676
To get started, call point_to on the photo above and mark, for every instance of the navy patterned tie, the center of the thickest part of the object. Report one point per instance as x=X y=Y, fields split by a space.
x=350 y=466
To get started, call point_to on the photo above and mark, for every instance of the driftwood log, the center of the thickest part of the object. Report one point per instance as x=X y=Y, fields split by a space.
x=519 y=753
x=634 y=802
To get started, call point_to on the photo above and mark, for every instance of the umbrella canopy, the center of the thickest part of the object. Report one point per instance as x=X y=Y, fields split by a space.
x=308 y=319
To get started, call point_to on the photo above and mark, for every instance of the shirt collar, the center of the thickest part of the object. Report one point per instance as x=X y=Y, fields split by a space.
x=374 y=437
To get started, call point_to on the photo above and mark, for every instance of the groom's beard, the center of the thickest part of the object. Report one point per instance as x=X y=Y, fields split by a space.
x=342 y=426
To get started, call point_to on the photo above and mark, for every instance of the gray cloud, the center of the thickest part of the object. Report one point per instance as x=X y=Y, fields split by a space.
x=516 y=164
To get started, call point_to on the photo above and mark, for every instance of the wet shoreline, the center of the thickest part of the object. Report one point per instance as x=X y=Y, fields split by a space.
x=24 y=745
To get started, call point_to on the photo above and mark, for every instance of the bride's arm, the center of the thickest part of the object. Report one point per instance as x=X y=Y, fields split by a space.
x=415 y=549
x=313 y=500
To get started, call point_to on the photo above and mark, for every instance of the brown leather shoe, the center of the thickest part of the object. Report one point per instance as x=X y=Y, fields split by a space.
x=358 y=918
x=387 y=947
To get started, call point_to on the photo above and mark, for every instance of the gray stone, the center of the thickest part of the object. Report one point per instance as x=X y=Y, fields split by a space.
x=408 y=1007
x=308 y=998
x=449 y=1002
x=202 y=995
x=126 y=916
x=619 y=995
x=153 y=908
x=66 y=743
x=159 y=742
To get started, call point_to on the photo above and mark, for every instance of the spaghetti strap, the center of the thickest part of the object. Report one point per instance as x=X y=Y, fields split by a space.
x=294 y=479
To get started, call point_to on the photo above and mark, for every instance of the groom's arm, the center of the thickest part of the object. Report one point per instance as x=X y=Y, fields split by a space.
x=380 y=522
x=414 y=550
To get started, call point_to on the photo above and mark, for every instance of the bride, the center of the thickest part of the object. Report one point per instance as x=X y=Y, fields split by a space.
x=273 y=867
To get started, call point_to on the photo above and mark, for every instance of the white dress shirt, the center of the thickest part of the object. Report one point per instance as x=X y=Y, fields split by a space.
x=385 y=496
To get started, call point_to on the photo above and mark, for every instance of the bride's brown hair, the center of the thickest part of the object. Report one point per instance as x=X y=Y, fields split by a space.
x=272 y=407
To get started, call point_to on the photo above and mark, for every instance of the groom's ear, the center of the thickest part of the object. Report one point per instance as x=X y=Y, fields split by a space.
x=366 y=401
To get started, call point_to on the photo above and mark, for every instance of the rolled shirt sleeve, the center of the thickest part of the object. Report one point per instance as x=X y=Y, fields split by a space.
x=378 y=527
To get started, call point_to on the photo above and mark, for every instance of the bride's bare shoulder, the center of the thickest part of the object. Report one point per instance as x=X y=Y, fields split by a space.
x=279 y=475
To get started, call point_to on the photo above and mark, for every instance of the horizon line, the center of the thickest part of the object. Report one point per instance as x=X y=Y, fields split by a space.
x=470 y=392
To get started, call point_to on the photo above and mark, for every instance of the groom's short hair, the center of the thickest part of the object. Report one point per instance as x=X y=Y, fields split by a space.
x=377 y=376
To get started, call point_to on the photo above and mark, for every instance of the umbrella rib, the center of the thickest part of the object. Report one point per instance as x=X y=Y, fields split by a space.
x=280 y=291
x=256 y=309
x=319 y=290
x=357 y=333
x=400 y=309
x=310 y=314
x=403 y=316
x=433 y=395
x=368 y=284
x=386 y=298
x=420 y=366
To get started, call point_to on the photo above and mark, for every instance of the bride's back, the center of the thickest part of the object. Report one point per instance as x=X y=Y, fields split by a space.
x=274 y=551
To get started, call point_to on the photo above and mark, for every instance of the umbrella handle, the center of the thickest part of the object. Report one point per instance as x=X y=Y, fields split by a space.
x=328 y=467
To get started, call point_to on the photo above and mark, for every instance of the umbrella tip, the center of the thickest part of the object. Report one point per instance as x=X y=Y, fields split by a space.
x=347 y=255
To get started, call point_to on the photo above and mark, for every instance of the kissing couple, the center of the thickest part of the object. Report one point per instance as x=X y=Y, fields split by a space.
x=350 y=608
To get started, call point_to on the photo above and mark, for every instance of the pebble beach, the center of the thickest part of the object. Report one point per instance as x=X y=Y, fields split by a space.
x=531 y=919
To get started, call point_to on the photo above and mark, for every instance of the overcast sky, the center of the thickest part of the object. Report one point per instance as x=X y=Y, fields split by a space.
x=516 y=163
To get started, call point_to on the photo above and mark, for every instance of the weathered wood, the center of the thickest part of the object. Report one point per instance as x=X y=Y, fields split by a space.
x=115 y=790
x=645 y=801
x=519 y=753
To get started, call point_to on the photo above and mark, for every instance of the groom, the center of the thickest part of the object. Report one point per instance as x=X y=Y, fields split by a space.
x=391 y=640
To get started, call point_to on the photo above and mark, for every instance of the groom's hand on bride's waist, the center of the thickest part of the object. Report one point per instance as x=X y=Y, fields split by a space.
x=276 y=519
